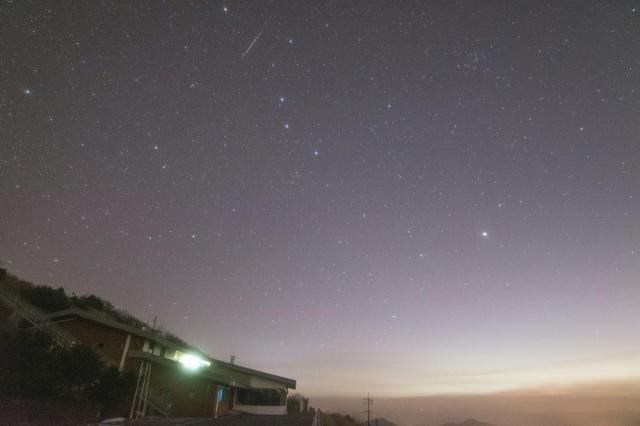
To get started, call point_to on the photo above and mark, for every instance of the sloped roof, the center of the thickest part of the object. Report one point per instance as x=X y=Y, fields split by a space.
x=107 y=321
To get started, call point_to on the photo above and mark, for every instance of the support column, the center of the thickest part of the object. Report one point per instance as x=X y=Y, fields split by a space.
x=123 y=359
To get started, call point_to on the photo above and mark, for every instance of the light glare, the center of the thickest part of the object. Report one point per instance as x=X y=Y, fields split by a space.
x=192 y=362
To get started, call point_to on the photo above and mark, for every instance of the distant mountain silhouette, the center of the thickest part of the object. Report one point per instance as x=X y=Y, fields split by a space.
x=468 y=422
x=381 y=422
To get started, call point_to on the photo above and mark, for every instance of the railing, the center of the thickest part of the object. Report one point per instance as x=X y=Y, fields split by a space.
x=36 y=318
x=158 y=402
x=145 y=396
x=63 y=339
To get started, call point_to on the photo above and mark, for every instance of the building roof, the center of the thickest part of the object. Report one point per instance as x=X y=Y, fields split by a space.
x=107 y=321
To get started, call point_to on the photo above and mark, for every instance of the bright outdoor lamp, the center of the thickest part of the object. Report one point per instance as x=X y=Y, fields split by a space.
x=192 y=362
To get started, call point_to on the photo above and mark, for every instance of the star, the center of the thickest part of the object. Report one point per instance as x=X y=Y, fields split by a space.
x=423 y=152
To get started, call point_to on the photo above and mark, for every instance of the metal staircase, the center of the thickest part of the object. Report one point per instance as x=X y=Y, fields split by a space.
x=39 y=321
x=159 y=402
x=144 y=396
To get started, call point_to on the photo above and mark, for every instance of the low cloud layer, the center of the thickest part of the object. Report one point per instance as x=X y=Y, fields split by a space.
x=596 y=404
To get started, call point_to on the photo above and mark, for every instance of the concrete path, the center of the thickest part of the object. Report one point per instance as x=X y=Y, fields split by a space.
x=293 y=419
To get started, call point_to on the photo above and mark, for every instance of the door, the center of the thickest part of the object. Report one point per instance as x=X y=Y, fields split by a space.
x=223 y=400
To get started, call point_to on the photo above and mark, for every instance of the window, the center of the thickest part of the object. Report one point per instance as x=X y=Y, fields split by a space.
x=153 y=347
x=260 y=396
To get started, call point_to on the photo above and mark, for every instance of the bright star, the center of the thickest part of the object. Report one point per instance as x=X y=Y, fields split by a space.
x=485 y=234
x=27 y=92
x=286 y=125
x=225 y=9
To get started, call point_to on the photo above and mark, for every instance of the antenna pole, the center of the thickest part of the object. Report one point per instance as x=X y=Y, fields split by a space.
x=369 y=403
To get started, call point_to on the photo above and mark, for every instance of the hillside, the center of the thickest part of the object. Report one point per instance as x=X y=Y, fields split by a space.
x=49 y=299
x=72 y=384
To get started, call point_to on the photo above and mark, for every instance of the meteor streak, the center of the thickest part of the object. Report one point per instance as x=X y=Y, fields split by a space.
x=251 y=45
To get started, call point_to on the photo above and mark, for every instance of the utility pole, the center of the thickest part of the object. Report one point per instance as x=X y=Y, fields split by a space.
x=369 y=403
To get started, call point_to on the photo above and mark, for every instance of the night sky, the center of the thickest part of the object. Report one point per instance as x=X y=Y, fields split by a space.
x=395 y=197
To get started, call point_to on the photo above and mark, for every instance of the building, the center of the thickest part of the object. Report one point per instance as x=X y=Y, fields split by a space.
x=174 y=380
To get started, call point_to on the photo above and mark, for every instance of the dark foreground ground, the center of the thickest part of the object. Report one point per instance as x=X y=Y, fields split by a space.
x=293 y=419
x=38 y=413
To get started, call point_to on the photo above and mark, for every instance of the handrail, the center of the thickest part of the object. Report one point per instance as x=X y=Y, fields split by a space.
x=156 y=401
x=60 y=336
x=36 y=318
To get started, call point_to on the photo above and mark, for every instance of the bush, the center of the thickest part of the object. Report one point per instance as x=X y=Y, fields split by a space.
x=46 y=298
x=32 y=367
x=293 y=405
